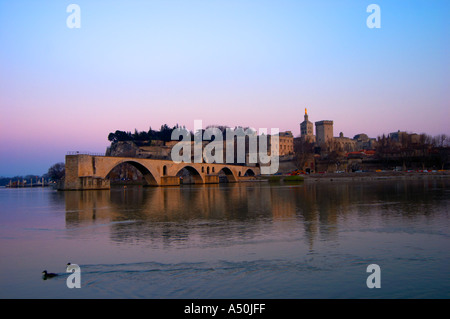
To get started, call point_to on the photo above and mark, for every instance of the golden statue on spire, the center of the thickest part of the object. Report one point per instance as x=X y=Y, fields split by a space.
x=306 y=113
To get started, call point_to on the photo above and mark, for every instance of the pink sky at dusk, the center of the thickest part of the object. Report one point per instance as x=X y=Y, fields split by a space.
x=135 y=65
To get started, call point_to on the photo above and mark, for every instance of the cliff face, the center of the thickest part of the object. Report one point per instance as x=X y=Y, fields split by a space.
x=125 y=149
x=130 y=149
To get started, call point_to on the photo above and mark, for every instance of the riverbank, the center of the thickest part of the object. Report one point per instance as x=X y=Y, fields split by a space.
x=26 y=186
x=282 y=178
x=374 y=176
x=360 y=176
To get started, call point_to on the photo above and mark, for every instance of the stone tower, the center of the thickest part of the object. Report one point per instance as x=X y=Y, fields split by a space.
x=324 y=132
x=306 y=129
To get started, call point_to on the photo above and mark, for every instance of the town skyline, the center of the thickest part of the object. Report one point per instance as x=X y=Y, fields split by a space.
x=295 y=136
x=135 y=65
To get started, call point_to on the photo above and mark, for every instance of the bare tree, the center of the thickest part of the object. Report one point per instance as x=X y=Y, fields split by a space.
x=441 y=140
x=56 y=172
x=424 y=147
x=303 y=151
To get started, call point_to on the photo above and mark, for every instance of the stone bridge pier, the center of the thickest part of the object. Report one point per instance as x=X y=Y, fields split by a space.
x=85 y=172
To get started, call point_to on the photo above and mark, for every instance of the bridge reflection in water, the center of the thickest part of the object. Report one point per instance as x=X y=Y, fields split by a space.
x=313 y=212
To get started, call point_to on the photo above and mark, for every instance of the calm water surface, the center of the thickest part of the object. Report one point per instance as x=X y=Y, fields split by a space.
x=248 y=240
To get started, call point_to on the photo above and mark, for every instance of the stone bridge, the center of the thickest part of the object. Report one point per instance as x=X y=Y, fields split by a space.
x=92 y=172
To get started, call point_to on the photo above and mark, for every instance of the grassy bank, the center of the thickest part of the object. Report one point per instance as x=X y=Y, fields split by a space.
x=374 y=176
x=281 y=178
x=294 y=178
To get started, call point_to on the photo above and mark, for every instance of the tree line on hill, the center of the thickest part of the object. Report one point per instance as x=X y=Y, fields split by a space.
x=164 y=134
x=406 y=150
x=424 y=149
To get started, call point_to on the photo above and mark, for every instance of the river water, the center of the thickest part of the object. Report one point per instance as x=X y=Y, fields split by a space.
x=248 y=240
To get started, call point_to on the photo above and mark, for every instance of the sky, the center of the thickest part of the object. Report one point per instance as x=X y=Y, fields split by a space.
x=140 y=64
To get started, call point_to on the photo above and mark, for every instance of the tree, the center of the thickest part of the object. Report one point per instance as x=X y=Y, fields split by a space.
x=424 y=147
x=56 y=172
x=165 y=133
x=119 y=136
x=441 y=140
x=443 y=156
x=112 y=137
x=303 y=151
x=333 y=159
x=441 y=149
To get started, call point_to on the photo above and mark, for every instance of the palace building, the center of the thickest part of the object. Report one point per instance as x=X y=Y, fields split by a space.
x=324 y=136
x=324 y=132
x=306 y=130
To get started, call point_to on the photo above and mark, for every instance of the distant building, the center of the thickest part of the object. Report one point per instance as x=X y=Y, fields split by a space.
x=324 y=132
x=404 y=137
x=363 y=142
x=286 y=142
x=154 y=151
x=324 y=137
x=306 y=130
x=345 y=144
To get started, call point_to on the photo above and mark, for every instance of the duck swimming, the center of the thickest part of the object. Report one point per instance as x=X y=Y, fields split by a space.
x=46 y=275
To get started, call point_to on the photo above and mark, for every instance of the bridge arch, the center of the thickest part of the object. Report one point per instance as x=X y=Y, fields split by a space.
x=231 y=177
x=196 y=176
x=149 y=174
x=249 y=172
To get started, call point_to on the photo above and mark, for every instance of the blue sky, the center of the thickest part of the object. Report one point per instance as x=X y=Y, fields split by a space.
x=136 y=64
